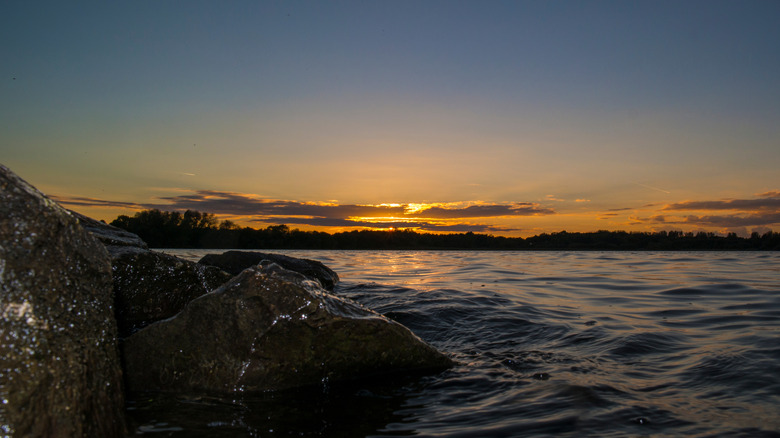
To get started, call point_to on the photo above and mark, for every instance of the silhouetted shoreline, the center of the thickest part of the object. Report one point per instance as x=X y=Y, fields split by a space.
x=193 y=229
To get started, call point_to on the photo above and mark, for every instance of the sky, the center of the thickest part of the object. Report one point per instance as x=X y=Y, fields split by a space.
x=509 y=118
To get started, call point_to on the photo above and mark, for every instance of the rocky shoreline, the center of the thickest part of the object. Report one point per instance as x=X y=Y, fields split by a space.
x=90 y=313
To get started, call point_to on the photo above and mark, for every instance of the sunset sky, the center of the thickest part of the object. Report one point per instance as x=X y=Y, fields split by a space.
x=502 y=117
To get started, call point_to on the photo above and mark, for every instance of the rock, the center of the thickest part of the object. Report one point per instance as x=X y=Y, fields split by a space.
x=267 y=329
x=236 y=261
x=150 y=286
x=60 y=373
x=109 y=235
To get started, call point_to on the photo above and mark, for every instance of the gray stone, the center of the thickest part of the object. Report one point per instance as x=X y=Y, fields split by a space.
x=269 y=329
x=60 y=373
x=236 y=261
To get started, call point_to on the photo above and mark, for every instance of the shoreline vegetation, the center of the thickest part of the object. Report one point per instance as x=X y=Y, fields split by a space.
x=193 y=229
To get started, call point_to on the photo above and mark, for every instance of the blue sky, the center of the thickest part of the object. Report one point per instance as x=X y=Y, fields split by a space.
x=597 y=114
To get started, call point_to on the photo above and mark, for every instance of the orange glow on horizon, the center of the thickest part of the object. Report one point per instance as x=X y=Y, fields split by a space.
x=519 y=219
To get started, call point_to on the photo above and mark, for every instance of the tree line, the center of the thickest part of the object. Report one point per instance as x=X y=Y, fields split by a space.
x=193 y=229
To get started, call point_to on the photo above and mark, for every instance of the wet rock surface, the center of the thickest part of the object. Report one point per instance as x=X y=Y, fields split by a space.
x=60 y=372
x=67 y=282
x=267 y=329
x=236 y=261
x=150 y=286
x=109 y=235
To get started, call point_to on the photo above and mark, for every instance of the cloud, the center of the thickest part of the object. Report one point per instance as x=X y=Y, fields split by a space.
x=475 y=216
x=730 y=204
x=653 y=188
x=732 y=220
x=770 y=194
x=453 y=217
x=742 y=212
x=243 y=204
x=247 y=205
x=349 y=223
x=726 y=221
x=487 y=210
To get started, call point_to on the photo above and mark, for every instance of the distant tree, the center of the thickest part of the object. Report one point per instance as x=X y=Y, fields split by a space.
x=193 y=229
x=227 y=225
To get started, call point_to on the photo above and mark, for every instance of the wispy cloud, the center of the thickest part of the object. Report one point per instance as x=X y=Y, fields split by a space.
x=770 y=194
x=653 y=188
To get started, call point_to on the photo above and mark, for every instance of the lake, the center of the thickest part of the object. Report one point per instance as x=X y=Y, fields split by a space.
x=546 y=343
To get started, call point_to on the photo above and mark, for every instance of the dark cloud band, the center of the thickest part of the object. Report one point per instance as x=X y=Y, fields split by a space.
x=269 y=211
x=731 y=204
x=241 y=204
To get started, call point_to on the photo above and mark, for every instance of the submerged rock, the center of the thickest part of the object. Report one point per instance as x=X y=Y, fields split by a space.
x=236 y=261
x=60 y=372
x=150 y=286
x=270 y=328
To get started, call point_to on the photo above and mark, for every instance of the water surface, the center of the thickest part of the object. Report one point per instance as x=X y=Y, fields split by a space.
x=547 y=344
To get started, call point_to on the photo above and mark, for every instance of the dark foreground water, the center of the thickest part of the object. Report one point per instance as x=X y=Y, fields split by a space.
x=547 y=344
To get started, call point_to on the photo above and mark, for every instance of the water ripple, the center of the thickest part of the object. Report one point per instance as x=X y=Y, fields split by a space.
x=548 y=344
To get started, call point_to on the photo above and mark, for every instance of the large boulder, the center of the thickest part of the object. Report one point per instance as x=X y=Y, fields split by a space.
x=236 y=261
x=150 y=286
x=60 y=373
x=270 y=328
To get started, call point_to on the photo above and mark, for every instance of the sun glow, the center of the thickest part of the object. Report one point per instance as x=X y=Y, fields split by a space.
x=383 y=220
x=416 y=208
